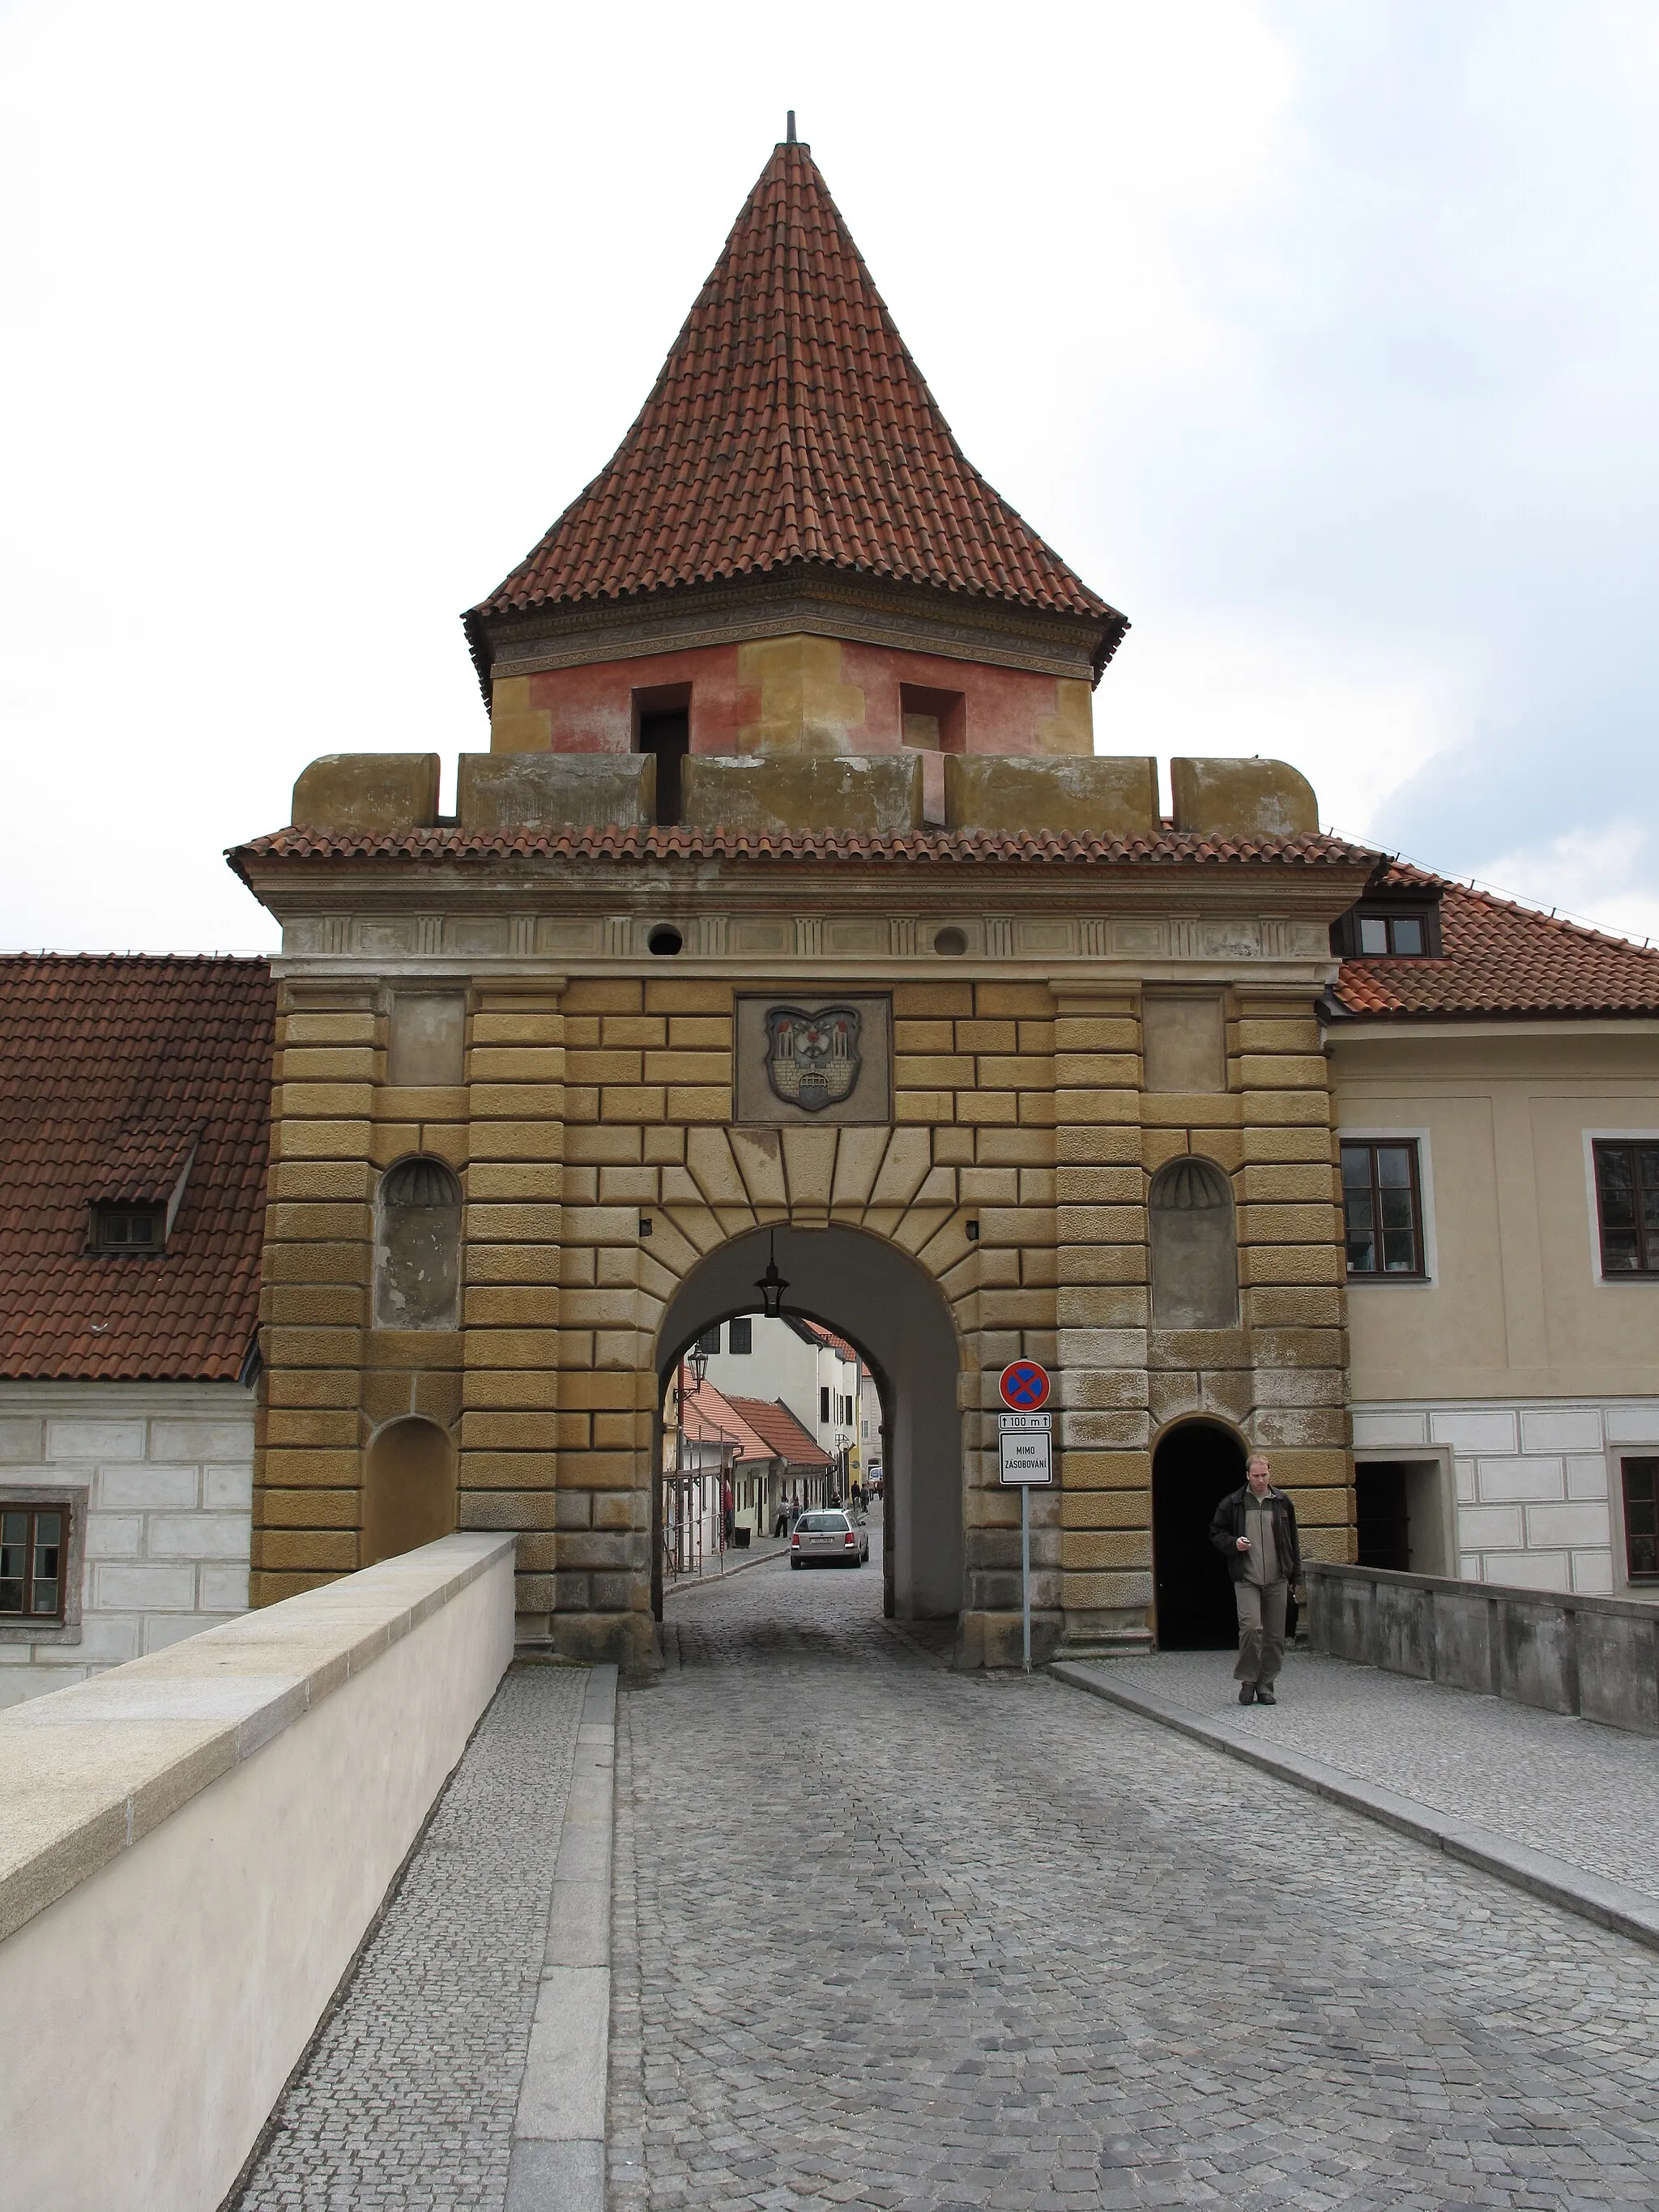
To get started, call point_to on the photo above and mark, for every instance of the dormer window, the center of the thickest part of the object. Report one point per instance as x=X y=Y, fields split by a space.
x=133 y=1201
x=1397 y=934
x=129 y=1228
x=1387 y=932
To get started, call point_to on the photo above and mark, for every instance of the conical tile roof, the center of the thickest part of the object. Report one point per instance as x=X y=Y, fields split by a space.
x=790 y=425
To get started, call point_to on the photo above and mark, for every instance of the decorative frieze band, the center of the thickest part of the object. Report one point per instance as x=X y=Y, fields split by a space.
x=1049 y=938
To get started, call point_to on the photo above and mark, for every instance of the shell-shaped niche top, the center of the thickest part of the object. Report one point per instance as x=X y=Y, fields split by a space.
x=420 y=1183
x=1190 y=1185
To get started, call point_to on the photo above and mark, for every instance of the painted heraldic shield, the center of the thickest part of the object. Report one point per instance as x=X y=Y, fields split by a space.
x=813 y=1060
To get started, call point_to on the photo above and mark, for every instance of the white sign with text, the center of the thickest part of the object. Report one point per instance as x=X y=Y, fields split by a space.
x=1024 y=1449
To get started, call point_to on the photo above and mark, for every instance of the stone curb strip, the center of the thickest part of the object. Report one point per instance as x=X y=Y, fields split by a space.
x=558 y=2162
x=1611 y=1905
x=739 y=1567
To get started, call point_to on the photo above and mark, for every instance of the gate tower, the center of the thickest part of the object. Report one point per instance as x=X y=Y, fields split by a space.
x=791 y=895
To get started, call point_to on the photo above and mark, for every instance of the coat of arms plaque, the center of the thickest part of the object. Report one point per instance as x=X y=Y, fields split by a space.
x=812 y=1059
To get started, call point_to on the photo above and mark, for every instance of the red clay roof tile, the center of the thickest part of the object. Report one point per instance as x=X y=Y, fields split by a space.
x=710 y=1417
x=779 y=1430
x=790 y=425
x=110 y=1068
x=934 y=847
x=1499 y=959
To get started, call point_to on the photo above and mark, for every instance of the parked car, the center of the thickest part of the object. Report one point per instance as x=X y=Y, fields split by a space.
x=828 y=1538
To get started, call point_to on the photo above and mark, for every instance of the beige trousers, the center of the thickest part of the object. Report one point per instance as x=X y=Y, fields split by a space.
x=1260 y=1631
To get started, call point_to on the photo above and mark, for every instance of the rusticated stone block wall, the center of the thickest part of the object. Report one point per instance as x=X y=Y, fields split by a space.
x=593 y=1139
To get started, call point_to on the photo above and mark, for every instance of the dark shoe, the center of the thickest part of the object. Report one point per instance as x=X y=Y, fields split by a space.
x=1247 y=1693
x=1266 y=1698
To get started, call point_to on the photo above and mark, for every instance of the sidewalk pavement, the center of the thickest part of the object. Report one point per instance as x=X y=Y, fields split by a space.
x=1557 y=1806
x=714 y=1572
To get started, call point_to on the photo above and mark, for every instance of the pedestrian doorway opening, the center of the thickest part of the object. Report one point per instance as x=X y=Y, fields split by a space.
x=1194 y=1467
x=876 y=1299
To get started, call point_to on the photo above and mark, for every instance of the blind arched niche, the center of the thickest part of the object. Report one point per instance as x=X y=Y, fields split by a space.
x=417 y=1254
x=409 y=1489
x=1194 y=1246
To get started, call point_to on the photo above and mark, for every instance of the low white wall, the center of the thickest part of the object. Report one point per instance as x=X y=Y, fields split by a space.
x=159 y=1477
x=191 y=1849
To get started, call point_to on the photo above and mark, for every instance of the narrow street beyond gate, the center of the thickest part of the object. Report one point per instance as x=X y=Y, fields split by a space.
x=891 y=1936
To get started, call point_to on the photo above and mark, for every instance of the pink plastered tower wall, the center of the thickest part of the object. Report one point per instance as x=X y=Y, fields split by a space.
x=797 y=694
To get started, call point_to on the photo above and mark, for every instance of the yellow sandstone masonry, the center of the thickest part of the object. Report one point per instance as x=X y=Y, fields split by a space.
x=593 y=1141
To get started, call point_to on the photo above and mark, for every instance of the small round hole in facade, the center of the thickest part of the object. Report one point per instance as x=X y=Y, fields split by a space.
x=952 y=942
x=665 y=939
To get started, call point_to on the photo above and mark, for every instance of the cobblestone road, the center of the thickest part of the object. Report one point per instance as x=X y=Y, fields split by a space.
x=1588 y=1794
x=407 y=2098
x=890 y=1936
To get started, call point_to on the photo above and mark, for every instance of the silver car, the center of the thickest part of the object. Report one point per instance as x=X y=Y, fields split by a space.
x=829 y=1538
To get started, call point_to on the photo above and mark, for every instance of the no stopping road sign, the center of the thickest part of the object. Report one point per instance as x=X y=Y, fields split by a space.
x=1025 y=1386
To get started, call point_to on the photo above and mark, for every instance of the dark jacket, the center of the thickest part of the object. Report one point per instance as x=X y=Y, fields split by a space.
x=1228 y=1527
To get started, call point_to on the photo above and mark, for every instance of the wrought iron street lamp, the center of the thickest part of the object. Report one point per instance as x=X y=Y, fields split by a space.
x=771 y=1285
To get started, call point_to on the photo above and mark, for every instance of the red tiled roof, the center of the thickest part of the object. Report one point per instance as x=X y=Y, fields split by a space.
x=782 y=1434
x=110 y=1068
x=789 y=424
x=144 y=1162
x=708 y=1416
x=933 y=847
x=827 y=1337
x=1499 y=959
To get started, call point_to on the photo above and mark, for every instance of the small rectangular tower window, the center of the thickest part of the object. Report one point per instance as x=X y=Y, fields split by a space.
x=740 y=1335
x=933 y=721
x=662 y=722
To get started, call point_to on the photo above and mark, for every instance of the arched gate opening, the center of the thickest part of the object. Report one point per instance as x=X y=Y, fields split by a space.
x=1195 y=1465
x=874 y=1295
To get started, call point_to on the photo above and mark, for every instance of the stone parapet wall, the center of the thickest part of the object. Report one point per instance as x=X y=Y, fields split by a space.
x=160 y=1478
x=1598 y=1657
x=195 y=1847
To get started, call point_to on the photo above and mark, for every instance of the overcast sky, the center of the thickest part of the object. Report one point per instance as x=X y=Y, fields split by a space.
x=1320 y=339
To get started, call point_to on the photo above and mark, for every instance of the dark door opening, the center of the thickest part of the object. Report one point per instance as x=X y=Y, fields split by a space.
x=1192 y=1470
x=669 y=737
x=1383 y=1516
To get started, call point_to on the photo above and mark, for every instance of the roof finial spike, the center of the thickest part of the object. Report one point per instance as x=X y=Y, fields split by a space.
x=789 y=131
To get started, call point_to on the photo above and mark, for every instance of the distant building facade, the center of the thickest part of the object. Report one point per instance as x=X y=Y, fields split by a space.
x=134 y=1105
x=1496 y=1080
x=814 y=1372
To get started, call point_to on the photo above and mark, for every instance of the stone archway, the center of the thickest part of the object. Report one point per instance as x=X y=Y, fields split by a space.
x=877 y=1297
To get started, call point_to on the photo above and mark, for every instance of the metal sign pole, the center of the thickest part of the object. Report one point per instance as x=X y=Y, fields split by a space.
x=1025 y=1566
x=1025 y=1456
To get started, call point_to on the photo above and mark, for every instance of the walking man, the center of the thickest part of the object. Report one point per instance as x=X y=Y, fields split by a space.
x=1255 y=1531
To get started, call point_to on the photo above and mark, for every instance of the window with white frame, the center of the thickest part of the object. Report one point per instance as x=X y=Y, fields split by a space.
x=1383 y=1210
x=1627 y=1204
